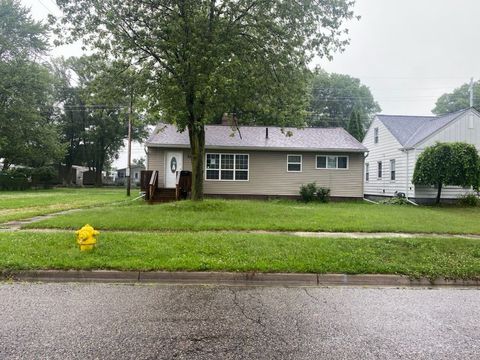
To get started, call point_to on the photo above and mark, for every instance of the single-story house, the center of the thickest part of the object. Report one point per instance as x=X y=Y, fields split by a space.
x=395 y=142
x=121 y=178
x=260 y=161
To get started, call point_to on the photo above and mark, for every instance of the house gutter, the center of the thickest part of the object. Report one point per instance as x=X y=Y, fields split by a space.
x=260 y=148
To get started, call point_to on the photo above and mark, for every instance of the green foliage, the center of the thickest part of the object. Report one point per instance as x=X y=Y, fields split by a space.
x=45 y=176
x=20 y=35
x=469 y=200
x=394 y=201
x=335 y=97
x=211 y=57
x=355 y=126
x=11 y=180
x=310 y=192
x=458 y=99
x=96 y=110
x=25 y=178
x=323 y=194
x=456 y=164
x=28 y=133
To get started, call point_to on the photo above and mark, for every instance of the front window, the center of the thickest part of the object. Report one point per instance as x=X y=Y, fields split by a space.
x=367 y=172
x=294 y=163
x=332 y=162
x=392 y=169
x=379 y=170
x=375 y=135
x=227 y=167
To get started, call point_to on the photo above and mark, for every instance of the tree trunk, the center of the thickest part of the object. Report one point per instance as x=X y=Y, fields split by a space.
x=439 y=193
x=197 y=145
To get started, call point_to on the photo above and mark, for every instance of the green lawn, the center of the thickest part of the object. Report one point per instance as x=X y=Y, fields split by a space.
x=17 y=205
x=273 y=215
x=207 y=251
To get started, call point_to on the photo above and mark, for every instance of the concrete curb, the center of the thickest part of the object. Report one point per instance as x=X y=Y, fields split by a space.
x=229 y=278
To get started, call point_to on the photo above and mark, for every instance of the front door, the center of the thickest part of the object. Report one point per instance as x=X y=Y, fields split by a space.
x=174 y=163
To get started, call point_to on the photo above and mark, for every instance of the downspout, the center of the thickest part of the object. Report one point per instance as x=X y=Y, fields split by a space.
x=408 y=175
x=363 y=172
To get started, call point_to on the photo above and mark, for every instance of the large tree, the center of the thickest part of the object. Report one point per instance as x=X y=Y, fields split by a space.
x=96 y=108
x=458 y=99
x=455 y=164
x=355 y=126
x=209 y=57
x=336 y=96
x=28 y=134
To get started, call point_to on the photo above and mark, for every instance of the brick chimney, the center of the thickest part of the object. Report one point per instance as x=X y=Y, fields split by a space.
x=227 y=119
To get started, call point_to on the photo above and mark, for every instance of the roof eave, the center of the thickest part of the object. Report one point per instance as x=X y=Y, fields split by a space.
x=261 y=148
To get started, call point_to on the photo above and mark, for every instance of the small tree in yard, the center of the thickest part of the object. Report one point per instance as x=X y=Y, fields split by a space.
x=455 y=164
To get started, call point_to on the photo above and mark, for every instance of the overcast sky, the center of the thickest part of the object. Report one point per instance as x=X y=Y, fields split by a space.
x=408 y=52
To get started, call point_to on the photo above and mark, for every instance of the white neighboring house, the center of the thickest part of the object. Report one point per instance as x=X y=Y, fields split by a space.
x=395 y=142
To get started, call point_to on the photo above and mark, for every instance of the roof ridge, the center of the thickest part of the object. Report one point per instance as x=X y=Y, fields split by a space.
x=457 y=113
x=413 y=116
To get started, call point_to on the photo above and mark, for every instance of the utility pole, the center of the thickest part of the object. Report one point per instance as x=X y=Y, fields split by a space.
x=129 y=165
x=470 y=90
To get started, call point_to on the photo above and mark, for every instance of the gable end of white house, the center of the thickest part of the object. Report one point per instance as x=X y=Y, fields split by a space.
x=465 y=128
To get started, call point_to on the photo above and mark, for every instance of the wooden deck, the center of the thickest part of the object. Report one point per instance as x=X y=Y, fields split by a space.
x=155 y=194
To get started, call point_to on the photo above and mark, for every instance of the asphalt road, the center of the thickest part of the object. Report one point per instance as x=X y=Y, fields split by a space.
x=101 y=321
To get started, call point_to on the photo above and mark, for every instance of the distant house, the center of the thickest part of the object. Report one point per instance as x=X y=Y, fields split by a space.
x=395 y=142
x=121 y=177
x=262 y=161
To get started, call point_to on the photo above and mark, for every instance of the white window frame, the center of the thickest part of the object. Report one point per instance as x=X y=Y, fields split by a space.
x=380 y=165
x=394 y=169
x=336 y=162
x=375 y=135
x=234 y=167
x=367 y=172
x=296 y=163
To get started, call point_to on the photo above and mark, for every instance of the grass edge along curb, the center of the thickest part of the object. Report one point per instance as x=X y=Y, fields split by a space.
x=230 y=278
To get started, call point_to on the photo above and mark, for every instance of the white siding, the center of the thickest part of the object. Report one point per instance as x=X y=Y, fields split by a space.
x=387 y=148
x=465 y=129
x=459 y=130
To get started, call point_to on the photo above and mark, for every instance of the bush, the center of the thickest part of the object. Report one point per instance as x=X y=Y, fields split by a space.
x=45 y=176
x=323 y=194
x=311 y=192
x=469 y=200
x=14 y=180
x=308 y=191
x=396 y=200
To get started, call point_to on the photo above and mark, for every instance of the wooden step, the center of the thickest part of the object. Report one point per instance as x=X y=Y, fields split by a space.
x=164 y=195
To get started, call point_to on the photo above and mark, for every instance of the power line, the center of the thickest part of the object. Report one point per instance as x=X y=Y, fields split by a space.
x=45 y=6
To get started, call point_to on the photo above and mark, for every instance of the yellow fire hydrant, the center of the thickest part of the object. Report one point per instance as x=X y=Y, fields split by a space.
x=86 y=237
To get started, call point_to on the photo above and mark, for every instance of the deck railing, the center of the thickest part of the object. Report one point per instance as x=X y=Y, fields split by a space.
x=152 y=186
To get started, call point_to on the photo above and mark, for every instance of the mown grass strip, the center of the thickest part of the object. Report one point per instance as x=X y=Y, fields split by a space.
x=18 y=205
x=204 y=251
x=274 y=216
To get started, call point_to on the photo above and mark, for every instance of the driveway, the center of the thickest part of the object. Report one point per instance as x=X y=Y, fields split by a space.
x=103 y=321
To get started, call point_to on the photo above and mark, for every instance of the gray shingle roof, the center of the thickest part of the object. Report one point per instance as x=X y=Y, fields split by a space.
x=410 y=130
x=254 y=137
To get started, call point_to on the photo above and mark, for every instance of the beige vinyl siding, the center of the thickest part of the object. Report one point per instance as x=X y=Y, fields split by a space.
x=268 y=174
x=156 y=161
